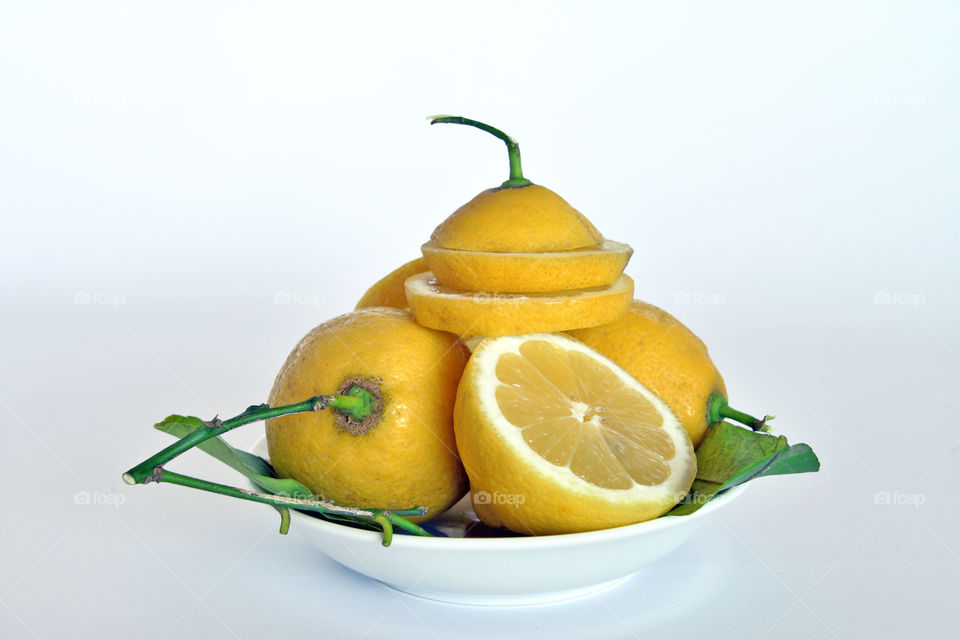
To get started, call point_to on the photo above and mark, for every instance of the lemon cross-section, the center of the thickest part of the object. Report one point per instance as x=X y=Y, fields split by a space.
x=512 y=272
x=556 y=438
x=496 y=314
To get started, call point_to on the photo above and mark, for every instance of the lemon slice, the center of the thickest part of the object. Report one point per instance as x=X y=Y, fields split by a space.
x=515 y=272
x=497 y=314
x=556 y=438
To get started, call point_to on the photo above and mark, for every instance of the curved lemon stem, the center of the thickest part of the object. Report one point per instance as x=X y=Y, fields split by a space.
x=516 y=178
x=718 y=408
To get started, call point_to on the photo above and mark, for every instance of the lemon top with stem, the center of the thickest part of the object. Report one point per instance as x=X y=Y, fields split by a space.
x=515 y=217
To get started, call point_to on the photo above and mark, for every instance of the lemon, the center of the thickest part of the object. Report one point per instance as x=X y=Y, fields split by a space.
x=514 y=272
x=497 y=314
x=388 y=291
x=404 y=454
x=556 y=438
x=666 y=357
x=520 y=238
x=528 y=219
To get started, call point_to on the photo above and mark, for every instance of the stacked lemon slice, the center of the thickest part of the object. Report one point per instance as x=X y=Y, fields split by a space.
x=519 y=259
x=522 y=239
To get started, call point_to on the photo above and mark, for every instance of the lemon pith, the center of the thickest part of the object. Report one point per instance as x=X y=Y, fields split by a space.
x=556 y=439
x=496 y=314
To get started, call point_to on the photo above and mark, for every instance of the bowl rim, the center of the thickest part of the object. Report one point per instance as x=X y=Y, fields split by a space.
x=404 y=540
x=520 y=542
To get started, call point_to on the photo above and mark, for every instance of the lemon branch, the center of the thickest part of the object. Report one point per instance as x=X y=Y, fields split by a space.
x=352 y=405
x=718 y=408
x=391 y=517
x=356 y=404
x=516 y=178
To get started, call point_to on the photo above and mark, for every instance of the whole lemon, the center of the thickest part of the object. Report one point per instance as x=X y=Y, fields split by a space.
x=388 y=291
x=666 y=357
x=404 y=454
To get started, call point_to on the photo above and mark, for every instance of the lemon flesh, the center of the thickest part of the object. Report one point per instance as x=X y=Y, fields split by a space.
x=556 y=438
x=497 y=314
x=513 y=272
x=518 y=219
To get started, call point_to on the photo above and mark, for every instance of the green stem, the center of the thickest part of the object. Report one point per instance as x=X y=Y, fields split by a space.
x=387 y=528
x=406 y=525
x=516 y=178
x=141 y=473
x=284 y=520
x=282 y=502
x=357 y=403
x=718 y=409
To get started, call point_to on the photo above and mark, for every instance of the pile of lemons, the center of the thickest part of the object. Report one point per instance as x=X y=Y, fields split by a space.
x=578 y=407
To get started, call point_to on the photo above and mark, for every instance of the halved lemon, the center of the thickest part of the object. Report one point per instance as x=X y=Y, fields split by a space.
x=556 y=438
x=497 y=314
x=516 y=272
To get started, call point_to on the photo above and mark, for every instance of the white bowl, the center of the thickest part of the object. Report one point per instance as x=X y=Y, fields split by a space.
x=502 y=570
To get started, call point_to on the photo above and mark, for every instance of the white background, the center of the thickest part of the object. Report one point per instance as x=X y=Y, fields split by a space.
x=786 y=174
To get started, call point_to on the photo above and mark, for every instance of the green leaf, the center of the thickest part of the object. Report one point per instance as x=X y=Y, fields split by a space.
x=256 y=469
x=730 y=456
x=799 y=458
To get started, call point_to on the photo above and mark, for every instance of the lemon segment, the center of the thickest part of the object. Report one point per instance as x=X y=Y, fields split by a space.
x=518 y=272
x=496 y=314
x=516 y=219
x=556 y=438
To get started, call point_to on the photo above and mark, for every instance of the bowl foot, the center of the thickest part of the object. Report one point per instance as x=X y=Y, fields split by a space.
x=513 y=599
